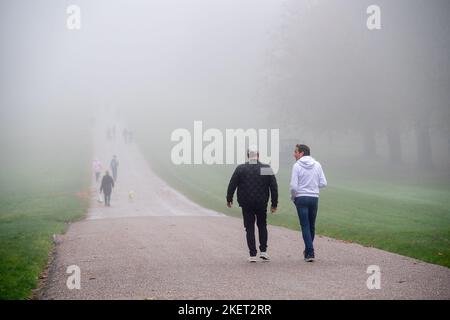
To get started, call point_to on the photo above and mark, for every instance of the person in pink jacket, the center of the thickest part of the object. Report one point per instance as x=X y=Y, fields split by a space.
x=97 y=168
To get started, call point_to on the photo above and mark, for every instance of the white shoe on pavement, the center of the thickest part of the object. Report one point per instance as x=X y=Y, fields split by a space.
x=264 y=256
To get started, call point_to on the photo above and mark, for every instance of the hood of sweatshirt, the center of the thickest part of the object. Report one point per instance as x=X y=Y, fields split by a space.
x=306 y=162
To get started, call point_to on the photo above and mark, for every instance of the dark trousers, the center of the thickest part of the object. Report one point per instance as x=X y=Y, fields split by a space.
x=307 y=213
x=107 y=198
x=258 y=214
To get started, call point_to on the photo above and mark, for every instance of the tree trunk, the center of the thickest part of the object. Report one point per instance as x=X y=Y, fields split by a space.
x=424 y=154
x=394 y=144
x=369 y=148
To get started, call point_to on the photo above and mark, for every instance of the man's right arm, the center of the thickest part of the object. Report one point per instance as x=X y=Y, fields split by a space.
x=294 y=181
x=273 y=191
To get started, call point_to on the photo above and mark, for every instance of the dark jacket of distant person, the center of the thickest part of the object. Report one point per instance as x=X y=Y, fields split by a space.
x=107 y=184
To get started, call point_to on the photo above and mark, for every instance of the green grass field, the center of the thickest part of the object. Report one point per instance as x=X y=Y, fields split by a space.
x=411 y=219
x=44 y=184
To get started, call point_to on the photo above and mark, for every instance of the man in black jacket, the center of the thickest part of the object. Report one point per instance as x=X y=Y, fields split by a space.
x=107 y=186
x=253 y=195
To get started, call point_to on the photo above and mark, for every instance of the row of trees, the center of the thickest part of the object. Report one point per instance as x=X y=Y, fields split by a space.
x=330 y=73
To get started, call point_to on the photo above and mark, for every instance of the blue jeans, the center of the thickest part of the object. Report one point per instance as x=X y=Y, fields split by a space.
x=307 y=213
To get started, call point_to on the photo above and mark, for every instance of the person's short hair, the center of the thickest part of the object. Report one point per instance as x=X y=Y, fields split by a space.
x=303 y=148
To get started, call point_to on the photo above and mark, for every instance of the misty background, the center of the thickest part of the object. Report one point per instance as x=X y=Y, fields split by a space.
x=367 y=102
x=373 y=105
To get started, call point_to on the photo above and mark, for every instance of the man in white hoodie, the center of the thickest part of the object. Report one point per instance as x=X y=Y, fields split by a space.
x=307 y=177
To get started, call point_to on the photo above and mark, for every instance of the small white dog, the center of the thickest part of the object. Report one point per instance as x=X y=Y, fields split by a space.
x=131 y=195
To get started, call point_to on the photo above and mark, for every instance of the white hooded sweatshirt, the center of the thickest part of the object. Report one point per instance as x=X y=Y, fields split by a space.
x=307 y=177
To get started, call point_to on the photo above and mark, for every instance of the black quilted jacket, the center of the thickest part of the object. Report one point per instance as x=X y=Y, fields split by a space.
x=252 y=187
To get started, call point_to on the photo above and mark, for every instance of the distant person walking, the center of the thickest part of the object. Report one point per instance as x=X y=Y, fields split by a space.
x=106 y=187
x=307 y=177
x=253 y=195
x=125 y=135
x=130 y=136
x=114 y=165
x=97 y=167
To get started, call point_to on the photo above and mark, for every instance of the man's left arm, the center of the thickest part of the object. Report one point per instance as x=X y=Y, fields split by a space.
x=322 y=180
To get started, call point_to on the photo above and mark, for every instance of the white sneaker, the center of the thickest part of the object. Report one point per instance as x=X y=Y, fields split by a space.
x=252 y=259
x=264 y=256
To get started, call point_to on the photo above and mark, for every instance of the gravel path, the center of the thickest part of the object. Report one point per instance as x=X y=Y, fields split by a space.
x=161 y=245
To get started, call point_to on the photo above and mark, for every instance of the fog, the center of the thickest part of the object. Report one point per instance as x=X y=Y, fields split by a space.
x=360 y=98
